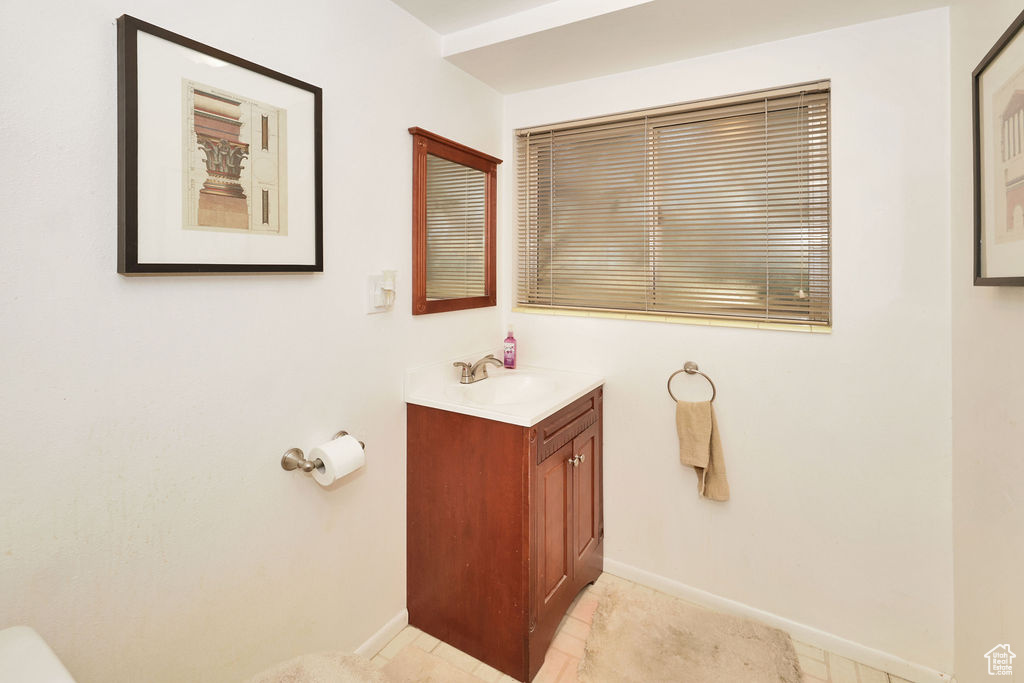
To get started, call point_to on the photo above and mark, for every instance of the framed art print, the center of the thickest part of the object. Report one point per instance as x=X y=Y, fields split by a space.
x=998 y=94
x=219 y=160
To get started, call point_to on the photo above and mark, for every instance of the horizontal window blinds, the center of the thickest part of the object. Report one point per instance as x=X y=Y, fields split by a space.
x=706 y=210
x=456 y=230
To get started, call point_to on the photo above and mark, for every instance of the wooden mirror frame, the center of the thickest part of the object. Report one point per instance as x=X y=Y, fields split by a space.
x=423 y=143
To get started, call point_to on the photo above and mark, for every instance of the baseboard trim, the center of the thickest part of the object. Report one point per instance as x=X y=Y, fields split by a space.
x=382 y=637
x=807 y=634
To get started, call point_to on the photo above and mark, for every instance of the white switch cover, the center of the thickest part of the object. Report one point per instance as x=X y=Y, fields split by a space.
x=381 y=292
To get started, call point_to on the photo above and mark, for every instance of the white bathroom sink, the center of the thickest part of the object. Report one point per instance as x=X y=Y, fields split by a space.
x=523 y=396
x=504 y=389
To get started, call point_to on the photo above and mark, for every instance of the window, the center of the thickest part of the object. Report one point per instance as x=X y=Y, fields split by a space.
x=718 y=209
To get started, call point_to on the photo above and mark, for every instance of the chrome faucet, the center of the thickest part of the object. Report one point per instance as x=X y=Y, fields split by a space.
x=469 y=376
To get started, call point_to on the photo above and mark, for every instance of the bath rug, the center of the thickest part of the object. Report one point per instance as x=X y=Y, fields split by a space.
x=413 y=665
x=326 y=667
x=645 y=636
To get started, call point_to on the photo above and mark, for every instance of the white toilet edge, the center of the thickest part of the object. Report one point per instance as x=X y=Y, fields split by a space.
x=26 y=658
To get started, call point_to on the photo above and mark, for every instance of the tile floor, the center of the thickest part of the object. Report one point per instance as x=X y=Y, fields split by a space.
x=822 y=666
x=566 y=652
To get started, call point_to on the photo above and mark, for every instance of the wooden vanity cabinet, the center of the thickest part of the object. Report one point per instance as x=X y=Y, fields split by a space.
x=504 y=527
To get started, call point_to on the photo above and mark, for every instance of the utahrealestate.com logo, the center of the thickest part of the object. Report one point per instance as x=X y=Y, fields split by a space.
x=1000 y=660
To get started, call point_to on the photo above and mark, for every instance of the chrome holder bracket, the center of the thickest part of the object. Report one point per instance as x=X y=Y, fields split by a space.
x=295 y=459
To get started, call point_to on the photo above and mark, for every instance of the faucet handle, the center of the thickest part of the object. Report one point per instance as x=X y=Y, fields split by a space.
x=482 y=366
x=466 y=377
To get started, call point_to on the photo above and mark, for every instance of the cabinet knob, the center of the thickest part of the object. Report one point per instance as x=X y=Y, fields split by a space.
x=582 y=457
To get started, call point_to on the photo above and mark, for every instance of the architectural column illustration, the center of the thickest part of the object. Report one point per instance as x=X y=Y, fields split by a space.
x=222 y=201
x=1013 y=167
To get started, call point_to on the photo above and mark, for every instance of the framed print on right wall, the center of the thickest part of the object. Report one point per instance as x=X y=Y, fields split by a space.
x=998 y=100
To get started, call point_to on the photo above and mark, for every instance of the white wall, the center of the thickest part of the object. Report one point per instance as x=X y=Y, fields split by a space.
x=837 y=446
x=988 y=392
x=147 y=530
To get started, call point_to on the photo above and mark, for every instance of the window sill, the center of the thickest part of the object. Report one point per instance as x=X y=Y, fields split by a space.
x=678 y=319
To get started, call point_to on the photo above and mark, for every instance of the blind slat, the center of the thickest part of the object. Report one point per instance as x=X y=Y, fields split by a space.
x=456 y=227
x=714 y=209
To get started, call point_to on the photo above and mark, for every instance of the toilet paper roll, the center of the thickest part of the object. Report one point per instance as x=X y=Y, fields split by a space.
x=338 y=458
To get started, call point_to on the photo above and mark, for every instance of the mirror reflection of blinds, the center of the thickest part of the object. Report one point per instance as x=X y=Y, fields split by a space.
x=456 y=223
x=701 y=210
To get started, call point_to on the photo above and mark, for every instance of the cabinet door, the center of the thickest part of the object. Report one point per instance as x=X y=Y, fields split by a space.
x=586 y=476
x=554 y=530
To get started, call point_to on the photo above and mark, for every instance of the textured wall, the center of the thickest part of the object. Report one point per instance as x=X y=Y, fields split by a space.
x=988 y=393
x=148 y=531
x=837 y=446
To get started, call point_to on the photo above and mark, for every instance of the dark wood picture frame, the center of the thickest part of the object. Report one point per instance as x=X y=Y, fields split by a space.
x=981 y=278
x=424 y=143
x=128 y=263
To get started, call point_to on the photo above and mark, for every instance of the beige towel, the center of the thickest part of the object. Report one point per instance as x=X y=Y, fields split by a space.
x=701 y=448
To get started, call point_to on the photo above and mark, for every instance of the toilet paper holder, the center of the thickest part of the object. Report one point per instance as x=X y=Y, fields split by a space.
x=295 y=459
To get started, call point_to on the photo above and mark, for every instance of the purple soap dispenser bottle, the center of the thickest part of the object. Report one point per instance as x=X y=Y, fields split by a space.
x=510 y=351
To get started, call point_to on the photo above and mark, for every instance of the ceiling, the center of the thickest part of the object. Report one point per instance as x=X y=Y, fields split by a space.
x=516 y=45
x=447 y=16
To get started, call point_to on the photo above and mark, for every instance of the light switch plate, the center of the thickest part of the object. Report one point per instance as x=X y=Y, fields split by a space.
x=380 y=293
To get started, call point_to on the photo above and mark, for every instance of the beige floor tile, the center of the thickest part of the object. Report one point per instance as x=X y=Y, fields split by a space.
x=413 y=664
x=570 y=672
x=842 y=669
x=379 y=661
x=809 y=651
x=570 y=645
x=584 y=609
x=567 y=649
x=406 y=636
x=813 y=667
x=574 y=627
x=869 y=675
x=807 y=678
x=554 y=662
x=487 y=673
x=426 y=642
x=456 y=658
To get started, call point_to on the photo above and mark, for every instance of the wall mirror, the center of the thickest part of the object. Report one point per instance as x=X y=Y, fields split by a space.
x=454 y=190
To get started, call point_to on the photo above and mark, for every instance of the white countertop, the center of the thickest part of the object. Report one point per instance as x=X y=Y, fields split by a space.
x=523 y=396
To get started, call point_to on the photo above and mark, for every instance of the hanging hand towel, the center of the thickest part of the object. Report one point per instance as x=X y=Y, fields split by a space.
x=701 y=448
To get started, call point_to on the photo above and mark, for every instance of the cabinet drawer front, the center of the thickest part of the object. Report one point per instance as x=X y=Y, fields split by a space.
x=568 y=423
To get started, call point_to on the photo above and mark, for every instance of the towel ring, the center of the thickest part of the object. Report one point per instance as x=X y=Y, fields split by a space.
x=690 y=368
